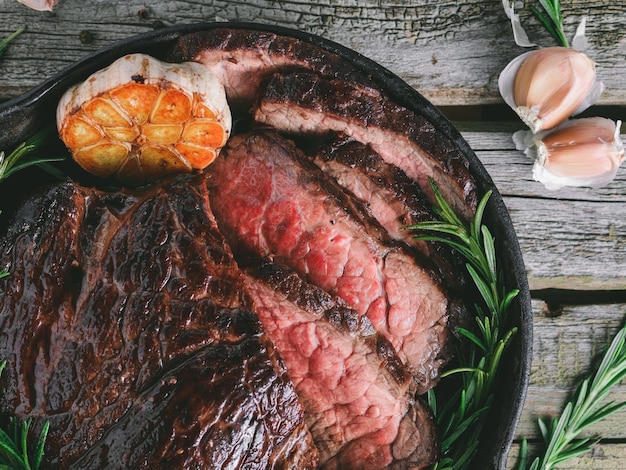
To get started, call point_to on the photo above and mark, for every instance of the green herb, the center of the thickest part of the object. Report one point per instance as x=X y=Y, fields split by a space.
x=5 y=42
x=463 y=414
x=14 y=451
x=586 y=408
x=3 y=273
x=17 y=160
x=552 y=19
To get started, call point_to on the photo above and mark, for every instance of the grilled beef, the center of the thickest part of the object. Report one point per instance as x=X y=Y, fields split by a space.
x=394 y=199
x=244 y=58
x=270 y=200
x=124 y=323
x=357 y=396
x=127 y=323
x=305 y=103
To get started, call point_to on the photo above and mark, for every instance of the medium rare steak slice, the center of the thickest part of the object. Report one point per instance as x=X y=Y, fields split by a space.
x=394 y=199
x=270 y=200
x=124 y=324
x=243 y=58
x=356 y=394
x=306 y=103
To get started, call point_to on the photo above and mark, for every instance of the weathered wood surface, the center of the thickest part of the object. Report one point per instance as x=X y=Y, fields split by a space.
x=451 y=51
x=574 y=246
x=573 y=241
x=564 y=347
x=574 y=238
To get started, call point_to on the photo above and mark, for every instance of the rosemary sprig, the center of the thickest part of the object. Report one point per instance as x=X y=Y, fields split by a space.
x=586 y=408
x=462 y=417
x=5 y=42
x=552 y=19
x=14 y=451
x=17 y=160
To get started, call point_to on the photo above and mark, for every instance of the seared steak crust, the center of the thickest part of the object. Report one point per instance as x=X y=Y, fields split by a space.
x=270 y=200
x=305 y=103
x=347 y=376
x=244 y=58
x=123 y=323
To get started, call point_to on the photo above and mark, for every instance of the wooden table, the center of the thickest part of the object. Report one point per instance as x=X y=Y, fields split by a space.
x=573 y=241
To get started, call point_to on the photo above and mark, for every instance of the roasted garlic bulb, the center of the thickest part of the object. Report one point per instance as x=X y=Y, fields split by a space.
x=140 y=119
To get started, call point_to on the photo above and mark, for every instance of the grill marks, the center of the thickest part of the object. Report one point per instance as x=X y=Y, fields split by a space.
x=306 y=103
x=244 y=59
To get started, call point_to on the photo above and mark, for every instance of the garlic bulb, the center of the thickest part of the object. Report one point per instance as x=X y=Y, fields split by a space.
x=579 y=152
x=140 y=119
x=546 y=86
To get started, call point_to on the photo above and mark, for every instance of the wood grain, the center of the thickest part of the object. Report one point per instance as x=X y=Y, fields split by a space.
x=573 y=238
x=451 y=51
x=565 y=349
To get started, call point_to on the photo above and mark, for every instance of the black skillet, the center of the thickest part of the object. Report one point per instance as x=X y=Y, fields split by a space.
x=23 y=116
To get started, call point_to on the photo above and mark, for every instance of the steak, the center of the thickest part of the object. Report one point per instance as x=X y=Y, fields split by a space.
x=394 y=199
x=305 y=103
x=125 y=324
x=244 y=58
x=357 y=395
x=270 y=200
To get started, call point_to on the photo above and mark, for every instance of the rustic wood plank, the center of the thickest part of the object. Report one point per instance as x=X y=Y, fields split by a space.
x=604 y=456
x=564 y=349
x=573 y=238
x=451 y=51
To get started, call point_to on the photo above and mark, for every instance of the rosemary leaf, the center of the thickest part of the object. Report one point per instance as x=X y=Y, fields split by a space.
x=472 y=337
x=552 y=19
x=17 y=160
x=5 y=42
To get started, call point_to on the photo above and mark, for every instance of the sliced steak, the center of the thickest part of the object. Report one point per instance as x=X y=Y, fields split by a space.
x=270 y=200
x=243 y=58
x=305 y=103
x=356 y=394
x=394 y=199
x=124 y=324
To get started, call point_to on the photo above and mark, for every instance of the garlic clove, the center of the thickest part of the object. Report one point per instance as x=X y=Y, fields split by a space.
x=40 y=5
x=546 y=86
x=580 y=152
x=140 y=119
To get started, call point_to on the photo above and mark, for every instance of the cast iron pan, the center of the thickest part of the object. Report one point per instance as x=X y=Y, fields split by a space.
x=23 y=116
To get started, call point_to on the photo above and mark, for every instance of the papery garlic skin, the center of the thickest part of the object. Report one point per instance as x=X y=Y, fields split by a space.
x=579 y=153
x=39 y=5
x=140 y=119
x=547 y=86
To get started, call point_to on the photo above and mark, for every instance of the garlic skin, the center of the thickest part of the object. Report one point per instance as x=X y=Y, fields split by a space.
x=39 y=5
x=578 y=153
x=547 y=86
x=140 y=119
